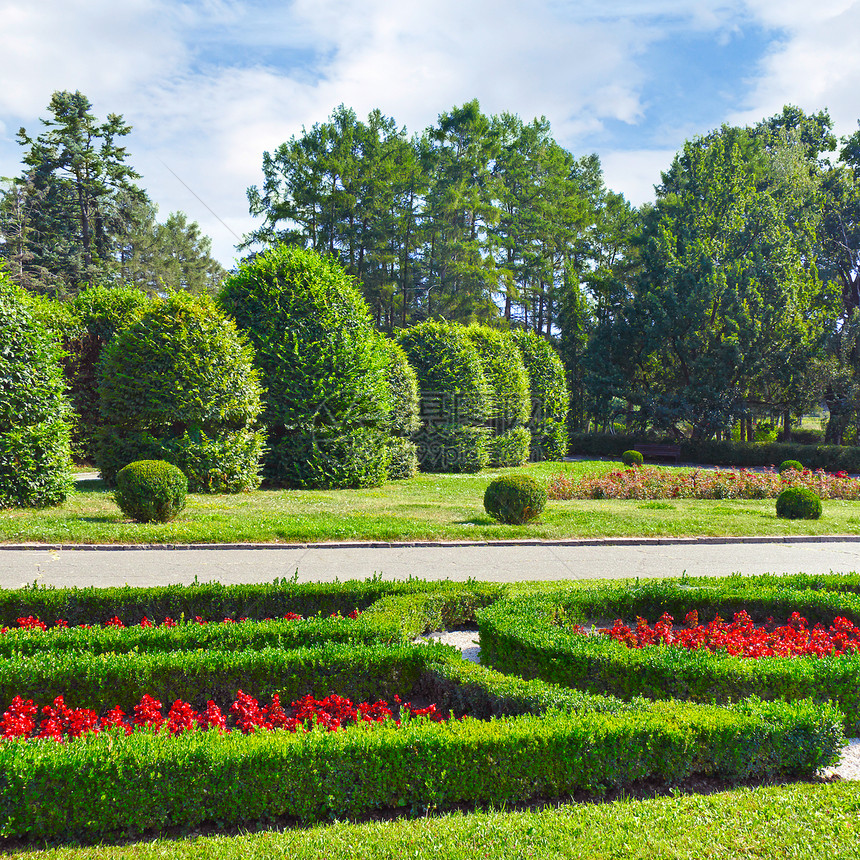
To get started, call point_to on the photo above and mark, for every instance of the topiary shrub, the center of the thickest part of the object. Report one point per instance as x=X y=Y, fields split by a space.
x=455 y=398
x=632 y=458
x=549 y=395
x=404 y=419
x=514 y=499
x=785 y=465
x=510 y=401
x=325 y=370
x=510 y=448
x=151 y=491
x=34 y=430
x=798 y=503
x=179 y=385
x=97 y=314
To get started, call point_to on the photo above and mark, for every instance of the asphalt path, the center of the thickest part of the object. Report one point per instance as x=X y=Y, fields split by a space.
x=66 y=566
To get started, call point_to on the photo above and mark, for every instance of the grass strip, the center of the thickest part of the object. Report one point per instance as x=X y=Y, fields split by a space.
x=798 y=822
x=427 y=507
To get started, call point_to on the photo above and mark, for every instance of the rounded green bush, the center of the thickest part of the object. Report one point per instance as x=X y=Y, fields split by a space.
x=34 y=430
x=514 y=499
x=632 y=458
x=798 y=503
x=510 y=448
x=324 y=368
x=151 y=491
x=549 y=394
x=785 y=465
x=179 y=385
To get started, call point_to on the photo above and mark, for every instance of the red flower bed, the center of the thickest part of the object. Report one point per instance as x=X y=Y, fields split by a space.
x=742 y=638
x=32 y=622
x=61 y=723
x=649 y=482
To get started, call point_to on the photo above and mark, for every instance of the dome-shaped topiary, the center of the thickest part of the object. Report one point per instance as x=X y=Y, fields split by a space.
x=455 y=398
x=34 y=431
x=324 y=368
x=510 y=401
x=151 y=491
x=514 y=499
x=179 y=385
x=549 y=393
x=787 y=465
x=632 y=458
x=798 y=503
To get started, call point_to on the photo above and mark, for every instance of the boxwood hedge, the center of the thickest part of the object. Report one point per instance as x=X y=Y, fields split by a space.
x=532 y=637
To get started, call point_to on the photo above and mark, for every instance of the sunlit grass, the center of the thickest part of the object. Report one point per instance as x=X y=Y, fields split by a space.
x=796 y=821
x=428 y=507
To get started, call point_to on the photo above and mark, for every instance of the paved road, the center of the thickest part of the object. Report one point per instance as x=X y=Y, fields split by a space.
x=63 y=567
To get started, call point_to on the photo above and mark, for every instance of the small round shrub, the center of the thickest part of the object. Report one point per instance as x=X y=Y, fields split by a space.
x=151 y=491
x=514 y=499
x=798 y=503
x=632 y=458
x=785 y=465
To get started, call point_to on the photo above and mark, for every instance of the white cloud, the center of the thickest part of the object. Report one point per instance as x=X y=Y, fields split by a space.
x=634 y=173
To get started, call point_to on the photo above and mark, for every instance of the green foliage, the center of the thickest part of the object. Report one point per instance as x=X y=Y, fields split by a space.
x=96 y=315
x=329 y=458
x=532 y=637
x=785 y=465
x=833 y=458
x=179 y=385
x=34 y=431
x=550 y=397
x=514 y=499
x=632 y=458
x=325 y=371
x=455 y=398
x=404 y=458
x=798 y=503
x=405 y=416
x=510 y=448
x=151 y=491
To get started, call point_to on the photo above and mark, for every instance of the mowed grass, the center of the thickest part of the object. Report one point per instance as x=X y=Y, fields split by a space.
x=795 y=821
x=432 y=507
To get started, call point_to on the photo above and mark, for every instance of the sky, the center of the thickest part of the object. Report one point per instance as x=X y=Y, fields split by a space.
x=209 y=86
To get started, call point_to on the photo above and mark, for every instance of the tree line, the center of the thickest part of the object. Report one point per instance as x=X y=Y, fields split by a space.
x=733 y=299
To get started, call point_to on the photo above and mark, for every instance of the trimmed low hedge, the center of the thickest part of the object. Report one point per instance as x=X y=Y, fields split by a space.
x=393 y=619
x=530 y=637
x=214 y=601
x=832 y=458
x=109 y=784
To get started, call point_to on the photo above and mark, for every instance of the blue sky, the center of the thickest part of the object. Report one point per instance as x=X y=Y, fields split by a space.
x=208 y=86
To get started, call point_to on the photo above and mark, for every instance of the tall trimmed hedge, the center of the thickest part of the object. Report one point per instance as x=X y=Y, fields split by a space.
x=34 y=430
x=455 y=397
x=98 y=313
x=325 y=370
x=550 y=396
x=510 y=402
x=179 y=385
x=405 y=418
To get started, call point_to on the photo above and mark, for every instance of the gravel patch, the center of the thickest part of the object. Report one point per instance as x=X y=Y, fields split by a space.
x=467 y=642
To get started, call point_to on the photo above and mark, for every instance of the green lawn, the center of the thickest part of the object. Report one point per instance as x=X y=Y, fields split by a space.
x=427 y=507
x=795 y=821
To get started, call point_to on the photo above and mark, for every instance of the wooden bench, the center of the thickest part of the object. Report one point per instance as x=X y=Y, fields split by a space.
x=663 y=452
